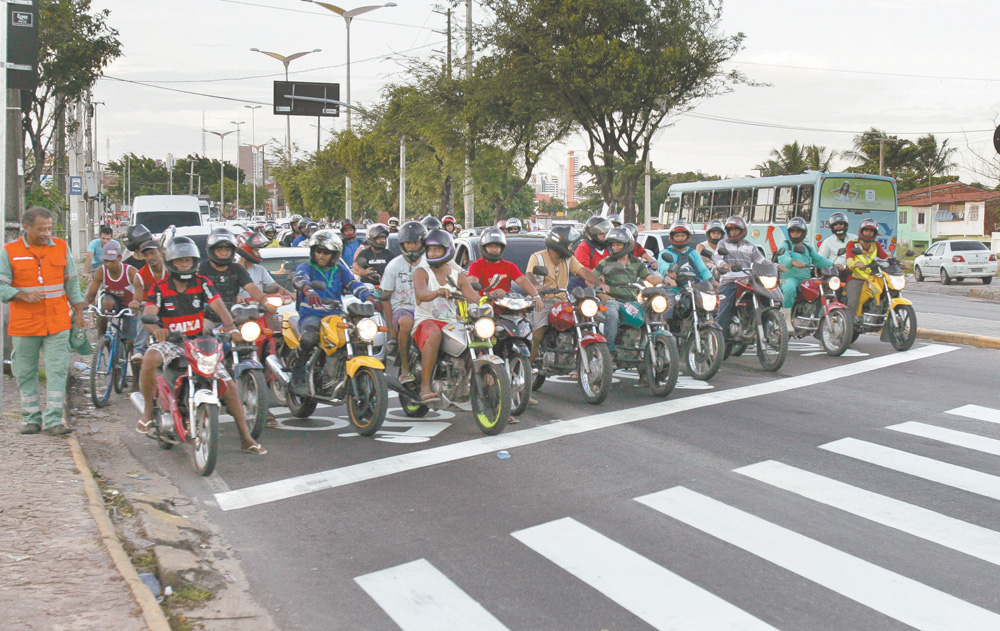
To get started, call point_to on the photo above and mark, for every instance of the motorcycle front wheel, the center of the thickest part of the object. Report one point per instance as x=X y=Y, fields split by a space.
x=772 y=348
x=491 y=398
x=519 y=369
x=661 y=374
x=367 y=408
x=705 y=363
x=835 y=333
x=594 y=367
x=902 y=337
x=204 y=437
x=252 y=396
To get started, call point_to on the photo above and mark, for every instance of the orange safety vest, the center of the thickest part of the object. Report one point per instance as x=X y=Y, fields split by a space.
x=42 y=268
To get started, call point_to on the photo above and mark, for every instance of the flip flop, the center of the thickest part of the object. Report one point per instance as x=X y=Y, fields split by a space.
x=257 y=450
x=407 y=379
x=429 y=397
x=144 y=427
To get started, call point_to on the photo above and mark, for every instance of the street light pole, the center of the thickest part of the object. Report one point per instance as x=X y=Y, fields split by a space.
x=222 y=169
x=238 y=163
x=253 y=153
x=285 y=60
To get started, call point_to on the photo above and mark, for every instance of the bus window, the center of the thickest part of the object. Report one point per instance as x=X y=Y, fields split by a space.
x=741 y=201
x=702 y=206
x=785 y=208
x=805 y=206
x=722 y=202
x=762 y=205
x=687 y=206
x=673 y=205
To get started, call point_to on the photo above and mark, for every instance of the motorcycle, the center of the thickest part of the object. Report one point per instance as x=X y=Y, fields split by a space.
x=246 y=368
x=186 y=401
x=699 y=336
x=756 y=315
x=881 y=308
x=466 y=370
x=513 y=344
x=340 y=368
x=817 y=311
x=270 y=344
x=572 y=342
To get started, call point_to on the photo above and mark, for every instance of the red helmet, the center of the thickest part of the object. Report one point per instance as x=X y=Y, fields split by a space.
x=678 y=228
x=447 y=220
x=736 y=222
x=868 y=224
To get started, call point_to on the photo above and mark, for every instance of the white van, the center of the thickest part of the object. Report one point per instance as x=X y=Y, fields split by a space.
x=158 y=212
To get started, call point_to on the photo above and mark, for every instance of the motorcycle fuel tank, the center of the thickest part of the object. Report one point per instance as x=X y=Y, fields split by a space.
x=631 y=315
x=561 y=316
x=454 y=339
x=810 y=289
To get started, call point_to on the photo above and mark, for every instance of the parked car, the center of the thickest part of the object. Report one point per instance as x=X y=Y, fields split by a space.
x=956 y=260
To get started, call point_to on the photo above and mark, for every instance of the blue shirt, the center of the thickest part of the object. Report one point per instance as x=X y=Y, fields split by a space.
x=350 y=249
x=338 y=279
x=297 y=241
x=687 y=255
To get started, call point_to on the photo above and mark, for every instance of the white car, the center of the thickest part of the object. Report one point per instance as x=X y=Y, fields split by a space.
x=956 y=259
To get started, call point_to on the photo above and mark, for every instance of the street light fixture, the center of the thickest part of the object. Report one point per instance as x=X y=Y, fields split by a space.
x=222 y=168
x=348 y=16
x=285 y=60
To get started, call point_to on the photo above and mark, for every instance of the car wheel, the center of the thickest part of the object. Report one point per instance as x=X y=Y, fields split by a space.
x=917 y=274
x=945 y=279
x=987 y=280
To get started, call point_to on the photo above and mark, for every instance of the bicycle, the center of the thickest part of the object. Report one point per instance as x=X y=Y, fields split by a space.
x=109 y=366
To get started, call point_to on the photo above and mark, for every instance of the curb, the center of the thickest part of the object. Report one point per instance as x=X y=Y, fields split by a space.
x=153 y=615
x=982 y=341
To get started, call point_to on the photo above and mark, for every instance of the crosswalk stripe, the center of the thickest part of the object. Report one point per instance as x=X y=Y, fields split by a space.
x=418 y=597
x=950 y=436
x=919 y=466
x=651 y=592
x=949 y=532
x=887 y=592
x=977 y=412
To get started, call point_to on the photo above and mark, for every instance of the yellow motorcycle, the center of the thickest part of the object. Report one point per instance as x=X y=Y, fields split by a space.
x=341 y=367
x=881 y=308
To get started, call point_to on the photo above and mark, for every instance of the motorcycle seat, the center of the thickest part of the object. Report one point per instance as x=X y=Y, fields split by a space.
x=361 y=309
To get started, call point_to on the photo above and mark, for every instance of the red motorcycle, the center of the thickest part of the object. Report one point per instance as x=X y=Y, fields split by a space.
x=268 y=344
x=818 y=312
x=572 y=343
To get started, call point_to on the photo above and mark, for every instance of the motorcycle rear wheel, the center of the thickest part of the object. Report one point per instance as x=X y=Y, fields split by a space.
x=594 y=367
x=705 y=364
x=519 y=369
x=736 y=349
x=491 y=398
x=253 y=396
x=368 y=413
x=204 y=438
x=902 y=337
x=835 y=333
x=662 y=376
x=773 y=347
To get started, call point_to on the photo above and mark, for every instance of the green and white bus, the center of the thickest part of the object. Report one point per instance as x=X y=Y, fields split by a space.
x=767 y=203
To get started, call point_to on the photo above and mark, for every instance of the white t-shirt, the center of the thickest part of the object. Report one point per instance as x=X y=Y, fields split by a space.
x=439 y=308
x=398 y=279
x=260 y=277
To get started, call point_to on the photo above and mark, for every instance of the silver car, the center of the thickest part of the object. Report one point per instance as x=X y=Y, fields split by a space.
x=956 y=259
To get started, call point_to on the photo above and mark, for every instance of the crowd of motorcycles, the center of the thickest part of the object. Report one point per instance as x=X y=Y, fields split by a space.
x=484 y=365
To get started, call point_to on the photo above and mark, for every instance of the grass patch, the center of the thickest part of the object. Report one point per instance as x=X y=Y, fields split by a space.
x=146 y=562
x=179 y=623
x=190 y=596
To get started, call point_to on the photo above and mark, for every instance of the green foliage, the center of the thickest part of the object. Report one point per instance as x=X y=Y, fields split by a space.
x=914 y=165
x=551 y=207
x=794 y=158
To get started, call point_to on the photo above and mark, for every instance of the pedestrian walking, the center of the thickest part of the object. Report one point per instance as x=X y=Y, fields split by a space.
x=39 y=279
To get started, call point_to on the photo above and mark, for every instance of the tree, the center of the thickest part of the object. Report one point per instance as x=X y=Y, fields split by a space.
x=75 y=46
x=794 y=158
x=874 y=148
x=601 y=58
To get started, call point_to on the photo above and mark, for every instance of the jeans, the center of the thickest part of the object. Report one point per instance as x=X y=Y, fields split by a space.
x=727 y=293
x=611 y=318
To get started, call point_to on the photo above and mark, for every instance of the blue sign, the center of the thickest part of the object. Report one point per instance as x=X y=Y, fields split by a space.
x=75 y=185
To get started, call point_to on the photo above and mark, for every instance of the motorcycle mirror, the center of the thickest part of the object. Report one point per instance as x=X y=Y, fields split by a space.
x=540 y=270
x=705 y=254
x=841 y=251
x=799 y=249
x=494 y=282
x=149 y=319
x=722 y=250
x=856 y=251
x=669 y=258
x=318 y=285
x=475 y=285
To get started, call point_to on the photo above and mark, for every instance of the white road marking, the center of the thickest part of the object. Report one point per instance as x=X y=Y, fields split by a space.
x=950 y=436
x=648 y=590
x=418 y=597
x=309 y=483
x=887 y=592
x=949 y=532
x=978 y=413
x=919 y=466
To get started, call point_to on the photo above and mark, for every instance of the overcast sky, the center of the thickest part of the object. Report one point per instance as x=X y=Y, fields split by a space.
x=833 y=69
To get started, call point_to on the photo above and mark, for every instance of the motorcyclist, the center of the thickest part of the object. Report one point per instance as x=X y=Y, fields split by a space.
x=492 y=243
x=615 y=219
x=371 y=261
x=714 y=232
x=593 y=248
x=398 y=302
x=833 y=244
x=858 y=264
x=180 y=300
x=393 y=224
x=325 y=264
x=449 y=224
x=348 y=234
x=293 y=224
x=271 y=232
x=739 y=252
x=249 y=252
x=135 y=236
x=227 y=276
x=306 y=230
x=513 y=226
x=638 y=251
x=795 y=264
x=679 y=234
x=431 y=223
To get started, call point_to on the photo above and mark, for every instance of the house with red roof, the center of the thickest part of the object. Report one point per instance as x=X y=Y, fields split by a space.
x=947 y=211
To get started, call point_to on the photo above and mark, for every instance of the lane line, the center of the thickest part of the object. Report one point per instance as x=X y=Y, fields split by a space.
x=887 y=592
x=656 y=595
x=977 y=412
x=943 y=530
x=418 y=597
x=919 y=466
x=309 y=483
x=950 y=436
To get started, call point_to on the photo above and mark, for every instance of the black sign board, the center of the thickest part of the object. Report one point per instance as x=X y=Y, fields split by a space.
x=996 y=139
x=22 y=45
x=298 y=98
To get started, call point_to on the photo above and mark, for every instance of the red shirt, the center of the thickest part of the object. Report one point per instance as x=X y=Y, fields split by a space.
x=148 y=281
x=183 y=312
x=588 y=255
x=485 y=270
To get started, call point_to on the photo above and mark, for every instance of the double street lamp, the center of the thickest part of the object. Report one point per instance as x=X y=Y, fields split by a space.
x=285 y=60
x=222 y=169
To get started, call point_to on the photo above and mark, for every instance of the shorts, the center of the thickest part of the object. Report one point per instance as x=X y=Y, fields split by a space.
x=399 y=313
x=540 y=319
x=170 y=351
x=424 y=329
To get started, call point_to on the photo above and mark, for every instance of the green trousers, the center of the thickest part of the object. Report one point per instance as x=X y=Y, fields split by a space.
x=25 y=359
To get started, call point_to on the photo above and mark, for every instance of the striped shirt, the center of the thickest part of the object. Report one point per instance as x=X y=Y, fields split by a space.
x=743 y=254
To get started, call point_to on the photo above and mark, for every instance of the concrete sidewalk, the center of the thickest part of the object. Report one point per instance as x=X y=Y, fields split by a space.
x=959 y=330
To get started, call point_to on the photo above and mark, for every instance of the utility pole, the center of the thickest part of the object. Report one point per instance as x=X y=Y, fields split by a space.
x=170 y=171
x=402 y=180
x=191 y=179
x=77 y=208
x=470 y=198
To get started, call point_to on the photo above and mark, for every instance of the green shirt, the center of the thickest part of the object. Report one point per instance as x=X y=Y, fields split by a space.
x=618 y=282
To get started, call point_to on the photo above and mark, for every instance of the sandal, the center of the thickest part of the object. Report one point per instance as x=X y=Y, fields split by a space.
x=257 y=450
x=407 y=379
x=429 y=397
x=144 y=427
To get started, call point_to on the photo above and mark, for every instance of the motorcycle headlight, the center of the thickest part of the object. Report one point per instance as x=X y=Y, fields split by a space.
x=658 y=304
x=207 y=363
x=485 y=328
x=897 y=282
x=367 y=329
x=709 y=301
x=250 y=331
x=588 y=307
x=834 y=283
x=769 y=282
x=274 y=301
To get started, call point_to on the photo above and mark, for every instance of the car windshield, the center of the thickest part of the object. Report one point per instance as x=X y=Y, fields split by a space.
x=963 y=246
x=282 y=268
x=157 y=222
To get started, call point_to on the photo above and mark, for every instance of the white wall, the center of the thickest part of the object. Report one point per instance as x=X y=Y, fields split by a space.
x=970 y=226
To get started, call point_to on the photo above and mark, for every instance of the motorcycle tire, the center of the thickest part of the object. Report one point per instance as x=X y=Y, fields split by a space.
x=705 y=364
x=277 y=388
x=538 y=381
x=662 y=378
x=253 y=395
x=491 y=398
x=902 y=338
x=835 y=332
x=368 y=413
x=519 y=370
x=776 y=341
x=736 y=349
x=411 y=408
x=101 y=374
x=595 y=387
x=204 y=438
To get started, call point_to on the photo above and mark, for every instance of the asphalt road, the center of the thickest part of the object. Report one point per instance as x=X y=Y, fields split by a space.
x=933 y=297
x=840 y=493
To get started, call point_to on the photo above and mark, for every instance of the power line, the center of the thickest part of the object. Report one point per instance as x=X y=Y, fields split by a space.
x=868 y=72
x=266 y=6
x=750 y=123
x=210 y=96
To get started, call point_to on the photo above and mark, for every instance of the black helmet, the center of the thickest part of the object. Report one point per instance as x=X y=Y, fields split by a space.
x=865 y=225
x=513 y=226
x=715 y=224
x=310 y=229
x=431 y=223
x=259 y=240
x=326 y=240
x=135 y=236
x=563 y=240
x=412 y=232
x=221 y=237
x=620 y=235
x=377 y=231
x=839 y=223
x=594 y=227
x=680 y=227
x=736 y=222
x=632 y=230
x=440 y=237
x=796 y=223
x=179 y=248
x=347 y=223
x=615 y=219
x=490 y=236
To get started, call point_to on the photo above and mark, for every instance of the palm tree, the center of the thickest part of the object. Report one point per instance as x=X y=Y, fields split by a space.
x=932 y=160
x=875 y=146
x=794 y=158
x=817 y=159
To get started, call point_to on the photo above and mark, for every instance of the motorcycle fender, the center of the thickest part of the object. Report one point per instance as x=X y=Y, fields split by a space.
x=362 y=360
x=205 y=396
x=590 y=338
x=709 y=324
x=245 y=365
x=832 y=306
x=898 y=302
x=520 y=348
x=662 y=333
x=487 y=359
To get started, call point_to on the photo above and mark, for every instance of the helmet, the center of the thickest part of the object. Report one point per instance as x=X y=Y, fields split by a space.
x=632 y=230
x=271 y=230
x=310 y=229
x=448 y=219
x=736 y=222
x=377 y=231
x=615 y=219
x=294 y=219
x=258 y=240
x=713 y=226
x=865 y=225
x=221 y=237
x=620 y=235
x=431 y=223
x=678 y=228
x=344 y=225
x=502 y=224
x=393 y=224
x=178 y=248
x=135 y=236
x=326 y=240
x=412 y=232
x=492 y=236
x=595 y=227
x=513 y=226
x=247 y=252
x=796 y=223
x=563 y=240
x=839 y=224
x=442 y=238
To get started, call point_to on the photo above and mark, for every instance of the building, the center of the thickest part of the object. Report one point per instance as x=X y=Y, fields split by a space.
x=947 y=211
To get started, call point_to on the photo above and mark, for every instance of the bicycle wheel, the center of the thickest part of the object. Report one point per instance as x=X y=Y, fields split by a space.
x=101 y=373
x=119 y=368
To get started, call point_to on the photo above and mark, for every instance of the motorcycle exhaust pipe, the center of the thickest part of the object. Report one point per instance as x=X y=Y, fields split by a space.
x=393 y=384
x=138 y=401
x=274 y=364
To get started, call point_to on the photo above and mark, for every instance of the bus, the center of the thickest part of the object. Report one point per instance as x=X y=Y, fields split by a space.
x=767 y=203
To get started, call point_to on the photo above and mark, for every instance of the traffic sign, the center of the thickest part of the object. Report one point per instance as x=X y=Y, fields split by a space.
x=75 y=185
x=298 y=98
x=22 y=44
